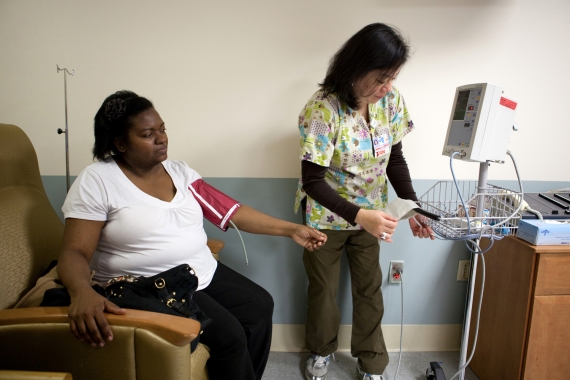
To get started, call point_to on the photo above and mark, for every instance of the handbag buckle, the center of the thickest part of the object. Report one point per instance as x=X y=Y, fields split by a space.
x=170 y=302
x=159 y=283
x=125 y=278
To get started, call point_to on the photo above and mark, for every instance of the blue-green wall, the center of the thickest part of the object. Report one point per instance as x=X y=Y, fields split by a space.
x=431 y=293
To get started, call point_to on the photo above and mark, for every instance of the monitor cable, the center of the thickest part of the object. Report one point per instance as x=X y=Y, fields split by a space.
x=242 y=243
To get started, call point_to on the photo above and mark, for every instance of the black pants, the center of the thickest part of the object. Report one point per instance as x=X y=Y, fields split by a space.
x=239 y=337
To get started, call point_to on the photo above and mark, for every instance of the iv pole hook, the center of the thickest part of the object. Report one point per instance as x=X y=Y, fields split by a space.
x=66 y=131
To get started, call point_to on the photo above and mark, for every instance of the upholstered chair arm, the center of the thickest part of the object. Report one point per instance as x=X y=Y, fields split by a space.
x=215 y=246
x=178 y=331
x=29 y=375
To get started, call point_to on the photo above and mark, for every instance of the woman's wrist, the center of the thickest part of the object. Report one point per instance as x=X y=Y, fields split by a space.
x=292 y=229
x=79 y=289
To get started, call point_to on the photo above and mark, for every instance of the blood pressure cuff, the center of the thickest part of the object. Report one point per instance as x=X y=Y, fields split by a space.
x=216 y=206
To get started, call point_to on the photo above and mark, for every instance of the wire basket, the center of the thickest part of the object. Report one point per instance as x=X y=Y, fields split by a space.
x=499 y=218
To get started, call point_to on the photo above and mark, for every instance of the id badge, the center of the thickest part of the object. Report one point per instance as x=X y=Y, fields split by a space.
x=381 y=145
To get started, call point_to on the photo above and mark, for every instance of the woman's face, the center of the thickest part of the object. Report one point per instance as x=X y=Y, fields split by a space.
x=146 y=143
x=374 y=86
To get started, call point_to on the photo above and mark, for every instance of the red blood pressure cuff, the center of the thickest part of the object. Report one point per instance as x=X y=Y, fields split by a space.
x=217 y=207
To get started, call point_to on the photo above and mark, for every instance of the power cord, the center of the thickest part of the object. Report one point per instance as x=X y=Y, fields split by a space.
x=400 y=272
x=478 y=313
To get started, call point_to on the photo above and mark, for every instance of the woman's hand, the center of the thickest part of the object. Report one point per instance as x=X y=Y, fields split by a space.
x=309 y=238
x=86 y=319
x=250 y=220
x=377 y=223
x=420 y=229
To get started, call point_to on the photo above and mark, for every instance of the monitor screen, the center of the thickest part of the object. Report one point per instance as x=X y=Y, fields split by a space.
x=464 y=117
x=461 y=105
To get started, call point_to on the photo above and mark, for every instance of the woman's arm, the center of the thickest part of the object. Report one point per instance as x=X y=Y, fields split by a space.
x=87 y=321
x=250 y=220
x=399 y=176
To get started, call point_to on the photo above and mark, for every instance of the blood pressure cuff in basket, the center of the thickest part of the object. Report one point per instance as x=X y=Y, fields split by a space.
x=216 y=206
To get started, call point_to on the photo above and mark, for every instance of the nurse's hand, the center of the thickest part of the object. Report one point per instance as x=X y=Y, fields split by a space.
x=377 y=223
x=420 y=229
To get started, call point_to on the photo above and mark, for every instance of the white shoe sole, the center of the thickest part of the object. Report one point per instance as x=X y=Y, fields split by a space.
x=311 y=377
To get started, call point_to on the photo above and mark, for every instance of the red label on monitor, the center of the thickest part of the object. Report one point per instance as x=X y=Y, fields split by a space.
x=508 y=103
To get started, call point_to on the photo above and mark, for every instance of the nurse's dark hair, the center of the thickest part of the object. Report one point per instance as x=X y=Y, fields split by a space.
x=375 y=47
x=113 y=120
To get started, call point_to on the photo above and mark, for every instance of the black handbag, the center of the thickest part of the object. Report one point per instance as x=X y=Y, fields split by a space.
x=169 y=292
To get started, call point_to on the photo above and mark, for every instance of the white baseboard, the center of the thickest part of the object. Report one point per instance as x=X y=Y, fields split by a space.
x=291 y=338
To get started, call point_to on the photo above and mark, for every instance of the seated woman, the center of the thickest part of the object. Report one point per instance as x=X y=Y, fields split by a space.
x=136 y=212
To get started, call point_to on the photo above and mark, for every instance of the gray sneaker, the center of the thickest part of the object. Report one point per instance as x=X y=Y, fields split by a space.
x=317 y=367
x=361 y=375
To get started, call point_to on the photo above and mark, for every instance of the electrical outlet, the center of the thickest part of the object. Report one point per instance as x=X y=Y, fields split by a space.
x=463 y=270
x=395 y=267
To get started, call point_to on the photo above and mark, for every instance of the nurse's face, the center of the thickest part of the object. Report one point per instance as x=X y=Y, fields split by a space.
x=374 y=86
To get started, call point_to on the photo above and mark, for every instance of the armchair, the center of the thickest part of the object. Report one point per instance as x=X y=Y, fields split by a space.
x=146 y=345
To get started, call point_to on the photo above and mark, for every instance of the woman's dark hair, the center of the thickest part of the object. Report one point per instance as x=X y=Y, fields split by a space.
x=374 y=47
x=113 y=120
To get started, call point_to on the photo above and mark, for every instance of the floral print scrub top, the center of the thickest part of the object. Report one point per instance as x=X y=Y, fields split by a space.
x=355 y=152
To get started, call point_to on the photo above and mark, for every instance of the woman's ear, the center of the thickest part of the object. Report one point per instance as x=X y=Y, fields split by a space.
x=120 y=145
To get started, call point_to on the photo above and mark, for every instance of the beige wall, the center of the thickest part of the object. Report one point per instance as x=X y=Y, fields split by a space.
x=230 y=77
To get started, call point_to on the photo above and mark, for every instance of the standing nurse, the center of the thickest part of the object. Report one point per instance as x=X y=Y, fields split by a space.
x=351 y=144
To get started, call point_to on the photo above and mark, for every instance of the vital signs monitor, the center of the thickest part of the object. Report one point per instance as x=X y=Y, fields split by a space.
x=480 y=124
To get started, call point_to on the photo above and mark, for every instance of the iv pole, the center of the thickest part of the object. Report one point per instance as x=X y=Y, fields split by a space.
x=66 y=131
x=481 y=187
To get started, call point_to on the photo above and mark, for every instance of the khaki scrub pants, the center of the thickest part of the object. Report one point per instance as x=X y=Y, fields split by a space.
x=323 y=316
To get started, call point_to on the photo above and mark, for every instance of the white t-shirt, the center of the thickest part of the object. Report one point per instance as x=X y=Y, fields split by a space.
x=143 y=235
